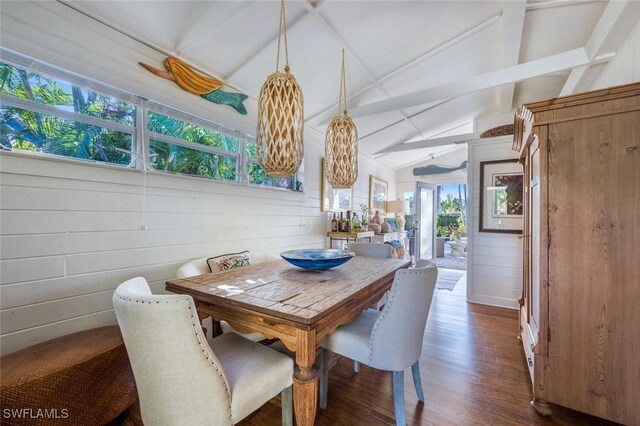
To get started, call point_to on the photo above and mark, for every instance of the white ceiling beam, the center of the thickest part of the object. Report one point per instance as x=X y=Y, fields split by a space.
x=430 y=143
x=561 y=61
x=558 y=3
x=215 y=16
x=428 y=107
x=411 y=64
x=480 y=125
x=616 y=21
x=513 y=13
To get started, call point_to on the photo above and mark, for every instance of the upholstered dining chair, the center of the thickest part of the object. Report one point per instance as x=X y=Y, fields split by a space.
x=184 y=380
x=370 y=249
x=390 y=340
x=200 y=266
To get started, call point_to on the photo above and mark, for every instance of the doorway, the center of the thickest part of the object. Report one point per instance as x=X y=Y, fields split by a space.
x=451 y=226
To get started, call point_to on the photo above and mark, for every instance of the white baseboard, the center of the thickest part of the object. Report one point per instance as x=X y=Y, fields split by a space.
x=499 y=302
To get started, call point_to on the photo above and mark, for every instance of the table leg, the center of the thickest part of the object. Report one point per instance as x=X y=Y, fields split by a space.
x=305 y=379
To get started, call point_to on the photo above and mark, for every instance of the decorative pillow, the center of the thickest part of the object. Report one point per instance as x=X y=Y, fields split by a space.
x=229 y=261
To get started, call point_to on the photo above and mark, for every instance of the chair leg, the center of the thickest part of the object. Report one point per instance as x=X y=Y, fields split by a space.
x=324 y=378
x=286 y=397
x=398 y=397
x=415 y=369
x=356 y=366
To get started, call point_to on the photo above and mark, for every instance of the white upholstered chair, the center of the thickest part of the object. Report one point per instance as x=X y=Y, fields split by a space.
x=199 y=267
x=370 y=249
x=390 y=340
x=184 y=380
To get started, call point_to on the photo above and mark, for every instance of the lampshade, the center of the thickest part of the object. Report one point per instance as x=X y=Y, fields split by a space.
x=279 y=138
x=398 y=206
x=341 y=144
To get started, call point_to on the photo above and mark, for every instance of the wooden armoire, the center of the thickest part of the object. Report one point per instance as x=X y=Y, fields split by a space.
x=580 y=307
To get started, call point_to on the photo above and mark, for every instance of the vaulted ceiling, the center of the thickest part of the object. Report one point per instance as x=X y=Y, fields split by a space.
x=418 y=72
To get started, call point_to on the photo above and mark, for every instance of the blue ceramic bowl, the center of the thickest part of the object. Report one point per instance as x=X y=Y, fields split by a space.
x=317 y=258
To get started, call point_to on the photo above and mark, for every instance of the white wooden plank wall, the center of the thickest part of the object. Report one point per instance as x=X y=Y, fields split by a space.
x=494 y=262
x=71 y=232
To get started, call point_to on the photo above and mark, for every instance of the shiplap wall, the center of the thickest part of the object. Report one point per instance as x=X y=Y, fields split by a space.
x=494 y=262
x=625 y=66
x=70 y=232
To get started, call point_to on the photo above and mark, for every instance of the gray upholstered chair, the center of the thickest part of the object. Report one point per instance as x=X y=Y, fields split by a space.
x=390 y=340
x=370 y=249
x=381 y=251
x=199 y=267
x=184 y=380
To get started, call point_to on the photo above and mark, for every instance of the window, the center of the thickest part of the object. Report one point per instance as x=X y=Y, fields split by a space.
x=60 y=116
x=258 y=176
x=47 y=115
x=181 y=147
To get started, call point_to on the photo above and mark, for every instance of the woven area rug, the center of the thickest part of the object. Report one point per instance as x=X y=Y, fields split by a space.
x=451 y=262
x=448 y=278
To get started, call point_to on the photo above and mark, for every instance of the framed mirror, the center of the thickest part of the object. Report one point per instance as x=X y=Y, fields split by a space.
x=334 y=200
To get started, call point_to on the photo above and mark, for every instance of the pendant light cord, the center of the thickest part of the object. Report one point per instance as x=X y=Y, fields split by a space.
x=283 y=28
x=343 y=88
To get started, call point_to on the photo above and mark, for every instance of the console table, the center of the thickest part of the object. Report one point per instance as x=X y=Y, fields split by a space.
x=355 y=236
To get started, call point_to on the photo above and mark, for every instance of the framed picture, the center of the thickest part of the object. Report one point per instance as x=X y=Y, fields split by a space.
x=334 y=200
x=393 y=223
x=378 y=194
x=501 y=196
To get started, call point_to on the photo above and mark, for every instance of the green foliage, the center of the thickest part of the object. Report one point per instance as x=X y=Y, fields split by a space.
x=462 y=228
x=450 y=205
x=32 y=131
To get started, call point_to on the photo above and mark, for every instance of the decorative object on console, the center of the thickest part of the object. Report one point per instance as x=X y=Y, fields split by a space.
x=393 y=224
x=377 y=218
x=399 y=207
x=385 y=228
x=341 y=143
x=193 y=82
x=279 y=138
x=229 y=261
x=378 y=190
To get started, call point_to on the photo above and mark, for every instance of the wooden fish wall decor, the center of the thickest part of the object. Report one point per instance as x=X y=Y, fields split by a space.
x=193 y=82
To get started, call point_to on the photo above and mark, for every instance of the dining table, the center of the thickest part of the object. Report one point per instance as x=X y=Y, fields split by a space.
x=298 y=306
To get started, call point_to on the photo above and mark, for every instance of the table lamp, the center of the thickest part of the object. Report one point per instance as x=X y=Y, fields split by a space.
x=399 y=207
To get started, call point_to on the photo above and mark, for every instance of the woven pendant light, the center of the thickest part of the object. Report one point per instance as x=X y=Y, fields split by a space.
x=280 y=117
x=341 y=144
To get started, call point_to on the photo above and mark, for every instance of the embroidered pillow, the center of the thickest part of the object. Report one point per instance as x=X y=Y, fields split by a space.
x=229 y=261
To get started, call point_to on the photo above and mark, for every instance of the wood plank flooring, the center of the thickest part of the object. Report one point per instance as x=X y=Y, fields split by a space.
x=473 y=373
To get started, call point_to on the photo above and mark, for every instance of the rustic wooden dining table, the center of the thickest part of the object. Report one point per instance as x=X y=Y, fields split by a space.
x=299 y=307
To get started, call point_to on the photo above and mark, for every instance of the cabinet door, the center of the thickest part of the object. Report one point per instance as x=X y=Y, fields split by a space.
x=534 y=243
x=594 y=226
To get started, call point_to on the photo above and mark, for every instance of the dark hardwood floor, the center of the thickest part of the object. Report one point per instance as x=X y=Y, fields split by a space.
x=473 y=373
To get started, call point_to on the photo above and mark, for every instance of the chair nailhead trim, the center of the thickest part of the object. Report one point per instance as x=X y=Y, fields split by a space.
x=211 y=360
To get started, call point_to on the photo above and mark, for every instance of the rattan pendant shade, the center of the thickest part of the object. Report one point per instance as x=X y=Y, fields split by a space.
x=279 y=137
x=341 y=144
